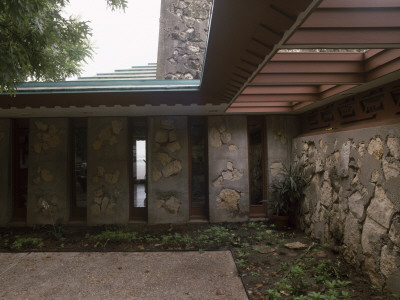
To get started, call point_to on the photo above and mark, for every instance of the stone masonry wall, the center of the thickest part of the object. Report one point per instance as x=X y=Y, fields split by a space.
x=353 y=201
x=168 y=191
x=48 y=189
x=107 y=172
x=5 y=180
x=228 y=169
x=182 y=39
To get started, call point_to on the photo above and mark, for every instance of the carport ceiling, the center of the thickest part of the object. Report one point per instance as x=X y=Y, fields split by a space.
x=279 y=63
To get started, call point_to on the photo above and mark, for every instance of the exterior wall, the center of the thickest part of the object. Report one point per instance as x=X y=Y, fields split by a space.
x=5 y=179
x=353 y=201
x=228 y=169
x=280 y=132
x=182 y=39
x=168 y=191
x=48 y=180
x=108 y=163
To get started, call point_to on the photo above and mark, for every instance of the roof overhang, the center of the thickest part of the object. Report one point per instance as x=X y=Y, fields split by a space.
x=245 y=68
x=300 y=72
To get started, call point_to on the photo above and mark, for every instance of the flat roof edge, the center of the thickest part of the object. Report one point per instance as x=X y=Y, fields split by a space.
x=105 y=86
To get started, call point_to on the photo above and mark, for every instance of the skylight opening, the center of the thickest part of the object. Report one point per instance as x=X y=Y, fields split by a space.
x=320 y=50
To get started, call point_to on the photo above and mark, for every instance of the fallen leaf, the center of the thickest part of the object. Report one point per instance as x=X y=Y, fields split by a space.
x=295 y=245
x=220 y=292
x=284 y=293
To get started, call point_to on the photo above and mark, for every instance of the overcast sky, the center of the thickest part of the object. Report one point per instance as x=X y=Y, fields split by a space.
x=121 y=40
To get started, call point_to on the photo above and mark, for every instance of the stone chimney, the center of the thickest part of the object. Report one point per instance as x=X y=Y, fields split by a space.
x=182 y=38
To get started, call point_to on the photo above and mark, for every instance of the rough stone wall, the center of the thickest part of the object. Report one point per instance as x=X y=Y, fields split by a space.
x=108 y=163
x=168 y=192
x=228 y=169
x=280 y=132
x=5 y=181
x=48 y=171
x=182 y=39
x=353 y=201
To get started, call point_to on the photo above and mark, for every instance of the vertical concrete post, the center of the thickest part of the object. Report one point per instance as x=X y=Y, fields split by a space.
x=228 y=169
x=280 y=133
x=5 y=174
x=168 y=192
x=108 y=176
x=48 y=174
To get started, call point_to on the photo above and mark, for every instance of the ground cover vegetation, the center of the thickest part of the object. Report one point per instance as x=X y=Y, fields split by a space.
x=273 y=263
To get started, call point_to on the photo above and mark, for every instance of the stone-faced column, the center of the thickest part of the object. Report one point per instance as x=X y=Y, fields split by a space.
x=228 y=169
x=48 y=174
x=5 y=180
x=168 y=183
x=108 y=176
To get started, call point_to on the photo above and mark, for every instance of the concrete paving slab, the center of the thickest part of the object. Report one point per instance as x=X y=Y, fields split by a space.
x=120 y=275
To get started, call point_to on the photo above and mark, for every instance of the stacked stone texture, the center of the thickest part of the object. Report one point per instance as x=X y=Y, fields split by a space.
x=353 y=201
x=183 y=36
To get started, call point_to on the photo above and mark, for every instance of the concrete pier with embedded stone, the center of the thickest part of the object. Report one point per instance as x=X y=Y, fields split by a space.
x=48 y=190
x=107 y=172
x=228 y=169
x=168 y=191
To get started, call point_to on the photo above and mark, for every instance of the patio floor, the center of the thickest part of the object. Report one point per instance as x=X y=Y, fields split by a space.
x=120 y=275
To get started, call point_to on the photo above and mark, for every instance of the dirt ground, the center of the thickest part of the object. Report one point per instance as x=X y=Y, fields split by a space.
x=273 y=263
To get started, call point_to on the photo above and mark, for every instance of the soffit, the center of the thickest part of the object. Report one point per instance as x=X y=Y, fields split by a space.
x=241 y=35
x=289 y=81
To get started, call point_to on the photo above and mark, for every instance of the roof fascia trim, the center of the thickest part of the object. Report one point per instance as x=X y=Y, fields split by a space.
x=105 y=86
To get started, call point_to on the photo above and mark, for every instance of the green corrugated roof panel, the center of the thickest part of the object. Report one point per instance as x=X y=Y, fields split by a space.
x=142 y=78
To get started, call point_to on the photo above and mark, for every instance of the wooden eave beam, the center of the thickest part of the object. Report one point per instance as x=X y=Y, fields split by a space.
x=339 y=38
x=259 y=109
x=278 y=90
x=383 y=70
x=301 y=105
x=317 y=57
x=336 y=90
x=380 y=58
x=277 y=97
x=290 y=67
x=308 y=78
x=261 y=104
x=358 y=4
x=353 y=18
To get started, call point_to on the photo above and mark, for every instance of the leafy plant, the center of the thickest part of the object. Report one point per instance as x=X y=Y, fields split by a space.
x=287 y=188
x=114 y=236
x=22 y=242
x=240 y=263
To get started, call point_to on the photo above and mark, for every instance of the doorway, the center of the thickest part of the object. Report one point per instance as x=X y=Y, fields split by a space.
x=198 y=168
x=20 y=159
x=79 y=169
x=257 y=151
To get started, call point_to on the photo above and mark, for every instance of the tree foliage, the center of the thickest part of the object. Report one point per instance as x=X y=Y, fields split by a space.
x=38 y=43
